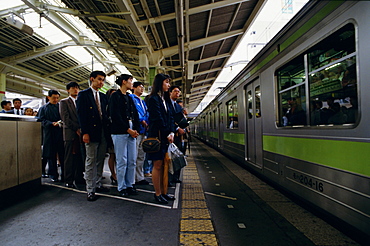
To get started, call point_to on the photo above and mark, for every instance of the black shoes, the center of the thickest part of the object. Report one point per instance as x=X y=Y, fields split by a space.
x=160 y=199
x=91 y=196
x=102 y=189
x=114 y=181
x=72 y=186
x=142 y=182
x=132 y=191
x=123 y=193
x=168 y=198
x=44 y=176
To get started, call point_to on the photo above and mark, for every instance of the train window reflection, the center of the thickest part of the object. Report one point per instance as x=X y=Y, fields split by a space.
x=333 y=83
x=292 y=94
x=250 y=105
x=257 y=93
x=338 y=45
x=232 y=113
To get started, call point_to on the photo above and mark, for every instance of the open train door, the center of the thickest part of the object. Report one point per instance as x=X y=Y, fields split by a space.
x=253 y=148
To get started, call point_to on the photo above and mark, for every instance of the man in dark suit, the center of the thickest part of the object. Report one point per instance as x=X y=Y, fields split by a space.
x=52 y=135
x=177 y=112
x=92 y=115
x=17 y=103
x=73 y=163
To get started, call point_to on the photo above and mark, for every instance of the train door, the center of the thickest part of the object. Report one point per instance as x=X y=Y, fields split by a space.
x=253 y=151
x=220 y=120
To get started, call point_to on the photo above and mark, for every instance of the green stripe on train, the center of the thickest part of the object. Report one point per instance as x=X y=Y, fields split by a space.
x=345 y=155
x=213 y=134
x=234 y=137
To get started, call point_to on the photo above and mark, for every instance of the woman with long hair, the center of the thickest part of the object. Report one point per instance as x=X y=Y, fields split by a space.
x=161 y=126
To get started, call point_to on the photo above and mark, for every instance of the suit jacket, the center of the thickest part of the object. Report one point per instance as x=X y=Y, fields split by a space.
x=52 y=135
x=68 y=113
x=160 y=120
x=178 y=115
x=88 y=114
x=20 y=111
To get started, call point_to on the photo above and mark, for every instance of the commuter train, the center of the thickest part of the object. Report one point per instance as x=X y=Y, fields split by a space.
x=296 y=114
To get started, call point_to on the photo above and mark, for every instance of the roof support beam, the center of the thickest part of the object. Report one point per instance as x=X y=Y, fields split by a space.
x=15 y=10
x=32 y=75
x=212 y=58
x=139 y=32
x=208 y=71
x=203 y=81
x=200 y=88
x=29 y=55
x=192 y=11
x=198 y=43
x=64 y=26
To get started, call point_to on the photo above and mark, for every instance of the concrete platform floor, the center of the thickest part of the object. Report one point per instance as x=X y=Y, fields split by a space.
x=218 y=203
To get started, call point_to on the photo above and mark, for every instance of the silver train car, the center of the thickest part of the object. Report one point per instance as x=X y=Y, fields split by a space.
x=296 y=114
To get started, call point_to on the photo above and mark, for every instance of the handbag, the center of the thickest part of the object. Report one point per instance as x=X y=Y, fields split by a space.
x=151 y=145
x=177 y=157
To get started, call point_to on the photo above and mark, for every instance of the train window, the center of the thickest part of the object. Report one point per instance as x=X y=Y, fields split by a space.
x=250 y=104
x=333 y=79
x=257 y=93
x=232 y=113
x=332 y=83
x=210 y=120
x=333 y=48
x=292 y=94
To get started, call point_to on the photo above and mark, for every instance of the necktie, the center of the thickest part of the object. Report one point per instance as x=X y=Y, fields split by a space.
x=98 y=104
x=17 y=111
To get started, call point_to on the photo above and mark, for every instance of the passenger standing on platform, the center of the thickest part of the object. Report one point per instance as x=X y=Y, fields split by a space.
x=110 y=149
x=138 y=90
x=124 y=129
x=17 y=103
x=28 y=111
x=52 y=135
x=161 y=125
x=177 y=112
x=73 y=163
x=7 y=107
x=184 y=138
x=92 y=115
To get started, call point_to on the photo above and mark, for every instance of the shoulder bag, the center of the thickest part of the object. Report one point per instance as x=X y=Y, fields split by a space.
x=151 y=145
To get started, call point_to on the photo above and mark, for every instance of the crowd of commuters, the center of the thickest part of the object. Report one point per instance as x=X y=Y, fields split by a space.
x=81 y=130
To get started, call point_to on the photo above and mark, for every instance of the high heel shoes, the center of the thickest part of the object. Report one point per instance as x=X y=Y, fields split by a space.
x=160 y=199
x=114 y=181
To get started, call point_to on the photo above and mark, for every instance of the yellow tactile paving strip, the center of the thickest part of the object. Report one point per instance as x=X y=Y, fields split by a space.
x=196 y=226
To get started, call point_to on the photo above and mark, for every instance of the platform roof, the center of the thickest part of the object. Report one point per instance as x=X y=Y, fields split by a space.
x=190 y=40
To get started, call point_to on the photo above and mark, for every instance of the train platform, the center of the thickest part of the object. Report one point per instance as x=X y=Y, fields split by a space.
x=217 y=203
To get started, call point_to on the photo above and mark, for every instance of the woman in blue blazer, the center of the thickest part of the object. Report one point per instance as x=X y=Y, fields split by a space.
x=161 y=126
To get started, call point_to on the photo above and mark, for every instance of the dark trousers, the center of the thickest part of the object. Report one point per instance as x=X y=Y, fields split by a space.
x=52 y=162
x=73 y=163
x=44 y=162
